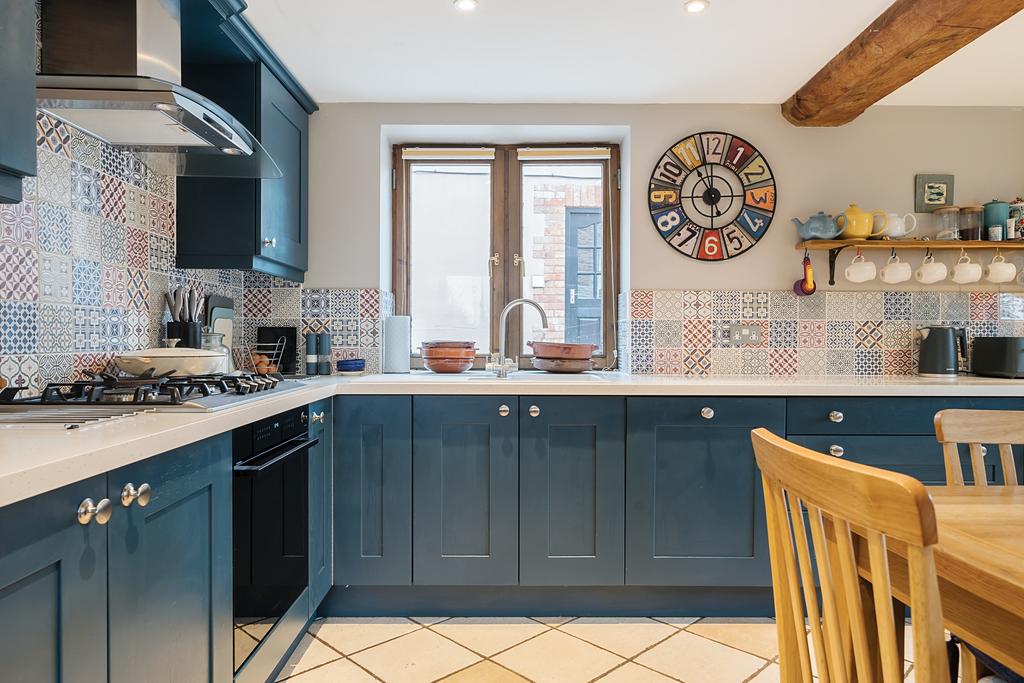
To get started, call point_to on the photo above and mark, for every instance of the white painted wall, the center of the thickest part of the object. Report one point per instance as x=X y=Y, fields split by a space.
x=872 y=161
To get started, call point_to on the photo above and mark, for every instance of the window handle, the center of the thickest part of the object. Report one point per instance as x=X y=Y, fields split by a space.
x=492 y=262
x=520 y=263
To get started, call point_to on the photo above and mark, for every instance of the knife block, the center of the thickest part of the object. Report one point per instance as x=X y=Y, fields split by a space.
x=189 y=334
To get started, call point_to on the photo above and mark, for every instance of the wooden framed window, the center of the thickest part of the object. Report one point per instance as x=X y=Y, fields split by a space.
x=477 y=226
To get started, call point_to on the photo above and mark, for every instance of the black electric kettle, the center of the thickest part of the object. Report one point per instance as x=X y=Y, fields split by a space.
x=939 y=355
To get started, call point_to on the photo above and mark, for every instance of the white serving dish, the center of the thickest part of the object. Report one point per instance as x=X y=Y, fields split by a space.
x=179 y=361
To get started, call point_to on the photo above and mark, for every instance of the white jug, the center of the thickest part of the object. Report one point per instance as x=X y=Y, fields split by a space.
x=898 y=225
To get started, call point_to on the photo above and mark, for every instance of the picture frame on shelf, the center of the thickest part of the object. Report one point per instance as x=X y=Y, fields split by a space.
x=932 y=191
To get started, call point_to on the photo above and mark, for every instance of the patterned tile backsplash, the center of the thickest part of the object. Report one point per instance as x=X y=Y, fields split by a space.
x=671 y=332
x=86 y=258
x=353 y=317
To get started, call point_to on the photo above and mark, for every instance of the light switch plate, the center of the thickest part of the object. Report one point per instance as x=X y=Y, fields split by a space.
x=744 y=335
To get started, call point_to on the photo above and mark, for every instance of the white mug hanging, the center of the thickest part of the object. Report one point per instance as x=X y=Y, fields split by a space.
x=1000 y=271
x=860 y=269
x=930 y=271
x=896 y=271
x=966 y=271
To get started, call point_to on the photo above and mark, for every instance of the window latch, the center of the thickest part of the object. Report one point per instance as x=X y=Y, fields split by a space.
x=520 y=263
x=492 y=263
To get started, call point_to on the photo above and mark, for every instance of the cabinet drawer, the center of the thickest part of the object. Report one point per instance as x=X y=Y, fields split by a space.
x=725 y=412
x=917 y=456
x=867 y=415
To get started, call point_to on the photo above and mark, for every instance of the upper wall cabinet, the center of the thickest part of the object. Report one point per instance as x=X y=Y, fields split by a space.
x=258 y=224
x=18 y=104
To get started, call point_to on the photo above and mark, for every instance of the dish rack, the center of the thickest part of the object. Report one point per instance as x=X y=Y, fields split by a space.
x=272 y=351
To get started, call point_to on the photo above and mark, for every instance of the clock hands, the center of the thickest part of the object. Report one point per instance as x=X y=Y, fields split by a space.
x=708 y=180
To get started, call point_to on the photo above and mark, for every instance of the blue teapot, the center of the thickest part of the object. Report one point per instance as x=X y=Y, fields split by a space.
x=820 y=226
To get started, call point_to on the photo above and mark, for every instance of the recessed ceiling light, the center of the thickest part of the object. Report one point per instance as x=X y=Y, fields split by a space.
x=696 y=6
x=466 y=5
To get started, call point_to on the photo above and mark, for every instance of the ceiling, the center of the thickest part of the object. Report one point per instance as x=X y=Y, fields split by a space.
x=639 y=51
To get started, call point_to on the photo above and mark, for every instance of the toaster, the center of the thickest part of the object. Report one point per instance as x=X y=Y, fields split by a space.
x=998 y=357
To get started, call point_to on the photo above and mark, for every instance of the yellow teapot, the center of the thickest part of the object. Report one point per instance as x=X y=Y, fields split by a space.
x=858 y=224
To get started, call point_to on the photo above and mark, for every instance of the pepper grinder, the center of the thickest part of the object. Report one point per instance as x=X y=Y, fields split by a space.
x=312 y=358
x=324 y=349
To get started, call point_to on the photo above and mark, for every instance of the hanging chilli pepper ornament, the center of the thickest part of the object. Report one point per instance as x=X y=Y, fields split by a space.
x=806 y=286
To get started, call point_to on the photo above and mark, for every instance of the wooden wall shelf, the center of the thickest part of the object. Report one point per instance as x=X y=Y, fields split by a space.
x=934 y=245
x=834 y=247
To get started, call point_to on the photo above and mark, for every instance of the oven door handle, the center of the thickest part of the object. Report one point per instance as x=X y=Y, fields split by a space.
x=260 y=465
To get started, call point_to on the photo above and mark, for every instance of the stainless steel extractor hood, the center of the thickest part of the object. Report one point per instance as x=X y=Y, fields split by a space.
x=113 y=69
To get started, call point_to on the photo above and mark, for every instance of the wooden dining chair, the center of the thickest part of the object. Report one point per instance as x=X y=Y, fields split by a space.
x=1004 y=428
x=856 y=630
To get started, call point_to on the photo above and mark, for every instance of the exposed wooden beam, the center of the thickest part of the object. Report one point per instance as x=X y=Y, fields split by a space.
x=905 y=41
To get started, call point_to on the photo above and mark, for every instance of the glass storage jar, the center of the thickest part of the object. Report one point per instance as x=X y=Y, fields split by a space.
x=970 y=222
x=214 y=341
x=947 y=220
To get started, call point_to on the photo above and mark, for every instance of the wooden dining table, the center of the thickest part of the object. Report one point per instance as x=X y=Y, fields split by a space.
x=980 y=564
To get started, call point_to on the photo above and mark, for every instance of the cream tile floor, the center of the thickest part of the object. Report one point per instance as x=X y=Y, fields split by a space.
x=543 y=650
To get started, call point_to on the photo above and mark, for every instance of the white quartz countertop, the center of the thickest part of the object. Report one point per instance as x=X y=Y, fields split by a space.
x=36 y=459
x=529 y=383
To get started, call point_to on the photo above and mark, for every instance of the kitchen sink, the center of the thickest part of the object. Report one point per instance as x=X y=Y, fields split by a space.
x=482 y=376
x=538 y=376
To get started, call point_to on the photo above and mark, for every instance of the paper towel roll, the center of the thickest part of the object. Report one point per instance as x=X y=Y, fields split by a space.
x=397 y=336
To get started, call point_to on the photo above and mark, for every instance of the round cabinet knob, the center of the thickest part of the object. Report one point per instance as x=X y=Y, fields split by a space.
x=318 y=417
x=534 y=411
x=130 y=494
x=303 y=417
x=707 y=413
x=270 y=242
x=984 y=451
x=89 y=511
x=503 y=410
x=835 y=416
x=836 y=451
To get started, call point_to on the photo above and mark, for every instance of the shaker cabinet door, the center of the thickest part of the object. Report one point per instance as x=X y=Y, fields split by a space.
x=53 y=588
x=170 y=567
x=373 y=490
x=284 y=133
x=465 y=490
x=18 y=104
x=571 y=493
x=321 y=514
x=694 y=503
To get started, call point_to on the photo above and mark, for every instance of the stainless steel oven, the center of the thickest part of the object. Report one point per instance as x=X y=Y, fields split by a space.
x=270 y=524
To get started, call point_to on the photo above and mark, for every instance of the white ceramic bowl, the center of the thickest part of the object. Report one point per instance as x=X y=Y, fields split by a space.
x=180 y=361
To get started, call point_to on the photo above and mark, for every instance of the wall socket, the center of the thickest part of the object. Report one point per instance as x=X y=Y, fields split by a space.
x=744 y=335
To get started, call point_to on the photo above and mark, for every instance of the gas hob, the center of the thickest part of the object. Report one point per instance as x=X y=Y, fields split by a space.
x=102 y=397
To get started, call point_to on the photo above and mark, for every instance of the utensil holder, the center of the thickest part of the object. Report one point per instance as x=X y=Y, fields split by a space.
x=190 y=334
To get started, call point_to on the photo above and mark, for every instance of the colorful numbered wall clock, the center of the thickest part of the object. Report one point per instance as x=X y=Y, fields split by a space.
x=712 y=196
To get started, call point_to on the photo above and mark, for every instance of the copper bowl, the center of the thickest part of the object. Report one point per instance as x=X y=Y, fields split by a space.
x=559 y=351
x=447 y=344
x=447 y=365
x=448 y=353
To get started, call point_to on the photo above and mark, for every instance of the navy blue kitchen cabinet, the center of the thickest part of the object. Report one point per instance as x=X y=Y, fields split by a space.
x=258 y=224
x=694 y=504
x=321 y=515
x=896 y=434
x=571 y=490
x=169 y=571
x=373 y=490
x=465 y=490
x=18 y=105
x=53 y=588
